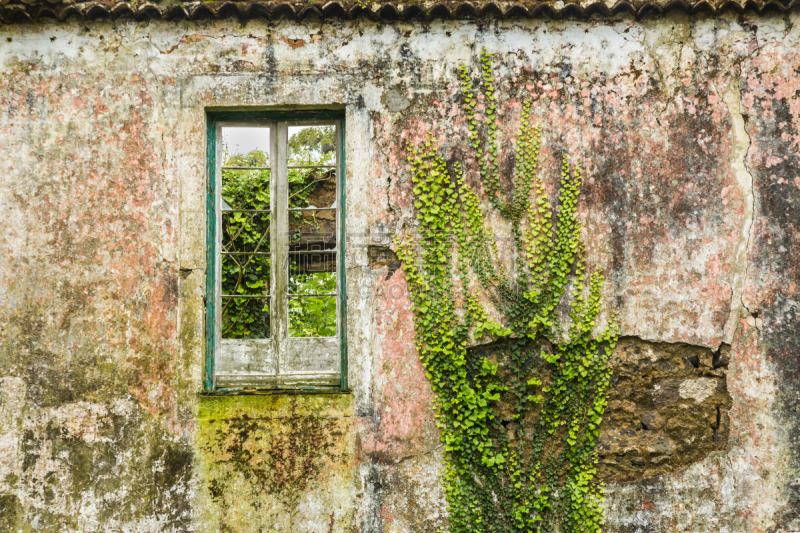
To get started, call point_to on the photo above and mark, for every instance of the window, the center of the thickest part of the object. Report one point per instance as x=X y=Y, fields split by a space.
x=275 y=315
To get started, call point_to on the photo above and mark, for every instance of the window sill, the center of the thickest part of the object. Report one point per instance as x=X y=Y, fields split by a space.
x=274 y=392
x=274 y=404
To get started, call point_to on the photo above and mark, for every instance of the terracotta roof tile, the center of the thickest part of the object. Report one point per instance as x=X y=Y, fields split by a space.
x=12 y=11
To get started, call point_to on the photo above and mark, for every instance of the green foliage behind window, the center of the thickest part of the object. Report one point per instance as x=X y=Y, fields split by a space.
x=313 y=316
x=248 y=232
x=244 y=318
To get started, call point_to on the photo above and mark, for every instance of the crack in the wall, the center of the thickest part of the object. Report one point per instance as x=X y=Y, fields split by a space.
x=741 y=143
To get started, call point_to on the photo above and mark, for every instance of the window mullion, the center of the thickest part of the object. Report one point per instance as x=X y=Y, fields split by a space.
x=274 y=325
x=280 y=244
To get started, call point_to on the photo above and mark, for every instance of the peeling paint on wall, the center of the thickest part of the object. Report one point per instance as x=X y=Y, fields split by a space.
x=689 y=130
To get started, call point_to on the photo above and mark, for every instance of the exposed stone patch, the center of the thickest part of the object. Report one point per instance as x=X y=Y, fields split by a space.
x=383 y=256
x=668 y=408
x=667 y=405
x=697 y=389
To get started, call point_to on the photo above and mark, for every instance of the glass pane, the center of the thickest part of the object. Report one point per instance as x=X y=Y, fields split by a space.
x=312 y=316
x=245 y=189
x=312 y=273
x=245 y=275
x=245 y=147
x=312 y=188
x=245 y=232
x=245 y=318
x=312 y=230
x=312 y=145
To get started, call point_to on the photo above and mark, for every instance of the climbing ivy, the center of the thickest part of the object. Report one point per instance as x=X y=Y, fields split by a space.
x=519 y=426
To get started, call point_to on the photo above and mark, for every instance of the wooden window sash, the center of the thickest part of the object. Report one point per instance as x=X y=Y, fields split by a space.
x=280 y=346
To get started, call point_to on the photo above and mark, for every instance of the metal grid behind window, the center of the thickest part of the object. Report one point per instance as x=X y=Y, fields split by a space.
x=275 y=205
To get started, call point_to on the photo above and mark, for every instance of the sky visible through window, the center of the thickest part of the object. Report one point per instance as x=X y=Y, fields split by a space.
x=242 y=141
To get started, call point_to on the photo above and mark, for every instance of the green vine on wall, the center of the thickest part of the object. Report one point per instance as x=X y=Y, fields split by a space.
x=531 y=470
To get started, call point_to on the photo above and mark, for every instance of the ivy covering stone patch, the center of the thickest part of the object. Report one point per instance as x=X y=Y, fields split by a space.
x=532 y=469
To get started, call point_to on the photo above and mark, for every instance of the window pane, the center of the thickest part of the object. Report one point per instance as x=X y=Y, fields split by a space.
x=245 y=190
x=312 y=188
x=245 y=275
x=312 y=274
x=312 y=230
x=245 y=147
x=312 y=145
x=244 y=231
x=245 y=318
x=245 y=261
x=312 y=316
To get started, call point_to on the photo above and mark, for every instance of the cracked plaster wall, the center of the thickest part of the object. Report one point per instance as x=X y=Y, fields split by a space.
x=689 y=129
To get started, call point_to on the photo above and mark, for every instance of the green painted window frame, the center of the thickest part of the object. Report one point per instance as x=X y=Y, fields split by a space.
x=213 y=119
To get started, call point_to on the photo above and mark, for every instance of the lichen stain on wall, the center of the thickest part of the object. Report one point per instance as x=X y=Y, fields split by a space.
x=89 y=306
x=98 y=406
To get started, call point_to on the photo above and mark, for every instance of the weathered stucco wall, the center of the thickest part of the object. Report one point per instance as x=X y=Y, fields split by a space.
x=689 y=130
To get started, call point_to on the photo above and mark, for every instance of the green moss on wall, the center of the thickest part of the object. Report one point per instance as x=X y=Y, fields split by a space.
x=263 y=455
